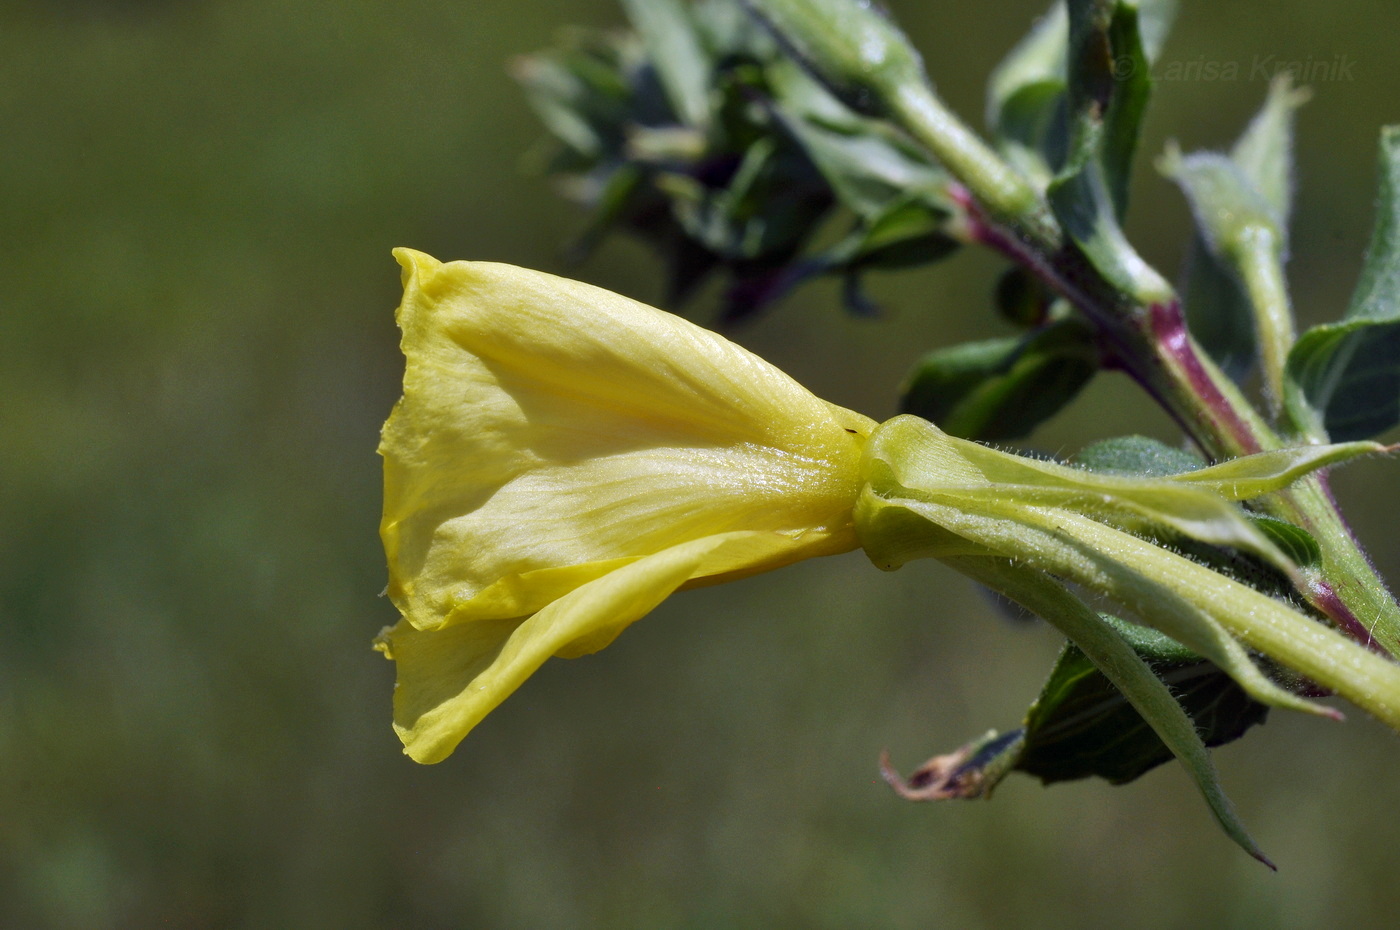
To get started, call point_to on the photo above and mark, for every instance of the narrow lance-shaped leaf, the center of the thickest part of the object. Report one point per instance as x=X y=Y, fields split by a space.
x=1155 y=18
x=1027 y=106
x=857 y=51
x=1083 y=725
x=867 y=162
x=1155 y=582
x=1344 y=378
x=974 y=472
x=898 y=195
x=1089 y=193
x=1109 y=85
x=1106 y=709
x=1218 y=308
x=1083 y=204
x=1244 y=236
x=1264 y=152
x=1127 y=105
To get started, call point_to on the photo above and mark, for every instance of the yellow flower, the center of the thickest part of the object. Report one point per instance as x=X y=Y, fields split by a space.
x=561 y=461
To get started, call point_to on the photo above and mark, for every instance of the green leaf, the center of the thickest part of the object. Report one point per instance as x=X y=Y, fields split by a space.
x=1003 y=388
x=1090 y=192
x=1264 y=153
x=1243 y=239
x=579 y=93
x=1028 y=93
x=1032 y=129
x=1137 y=455
x=1130 y=682
x=1037 y=59
x=1126 y=104
x=1026 y=99
x=1227 y=207
x=852 y=47
x=905 y=234
x=1082 y=726
x=1218 y=308
x=1155 y=18
x=1344 y=378
x=868 y=164
x=1109 y=85
x=1218 y=312
x=1081 y=201
x=1295 y=542
x=669 y=35
x=1349 y=378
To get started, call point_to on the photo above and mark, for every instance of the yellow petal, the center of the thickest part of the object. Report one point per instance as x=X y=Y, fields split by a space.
x=449 y=679
x=552 y=432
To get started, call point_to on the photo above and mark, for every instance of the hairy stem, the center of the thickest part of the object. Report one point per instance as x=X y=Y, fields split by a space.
x=1153 y=345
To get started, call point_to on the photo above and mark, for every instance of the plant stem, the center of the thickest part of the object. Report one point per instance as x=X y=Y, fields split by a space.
x=1153 y=345
x=1336 y=663
x=1000 y=189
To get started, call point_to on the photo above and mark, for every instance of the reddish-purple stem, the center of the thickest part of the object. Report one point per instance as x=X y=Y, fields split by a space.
x=1170 y=334
x=1166 y=340
x=1324 y=596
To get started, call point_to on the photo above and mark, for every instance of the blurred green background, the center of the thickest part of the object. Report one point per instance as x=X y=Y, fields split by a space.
x=197 y=203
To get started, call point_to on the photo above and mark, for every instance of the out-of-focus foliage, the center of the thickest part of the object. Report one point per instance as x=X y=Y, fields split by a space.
x=697 y=134
x=197 y=203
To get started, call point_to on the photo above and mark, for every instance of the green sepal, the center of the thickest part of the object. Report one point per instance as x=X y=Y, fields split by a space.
x=1003 y=388
x=926 y=458
x=1145 y=457
x=1087 y=528
x=1250 y=476
x=1057 y=540
x=1241 y=478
